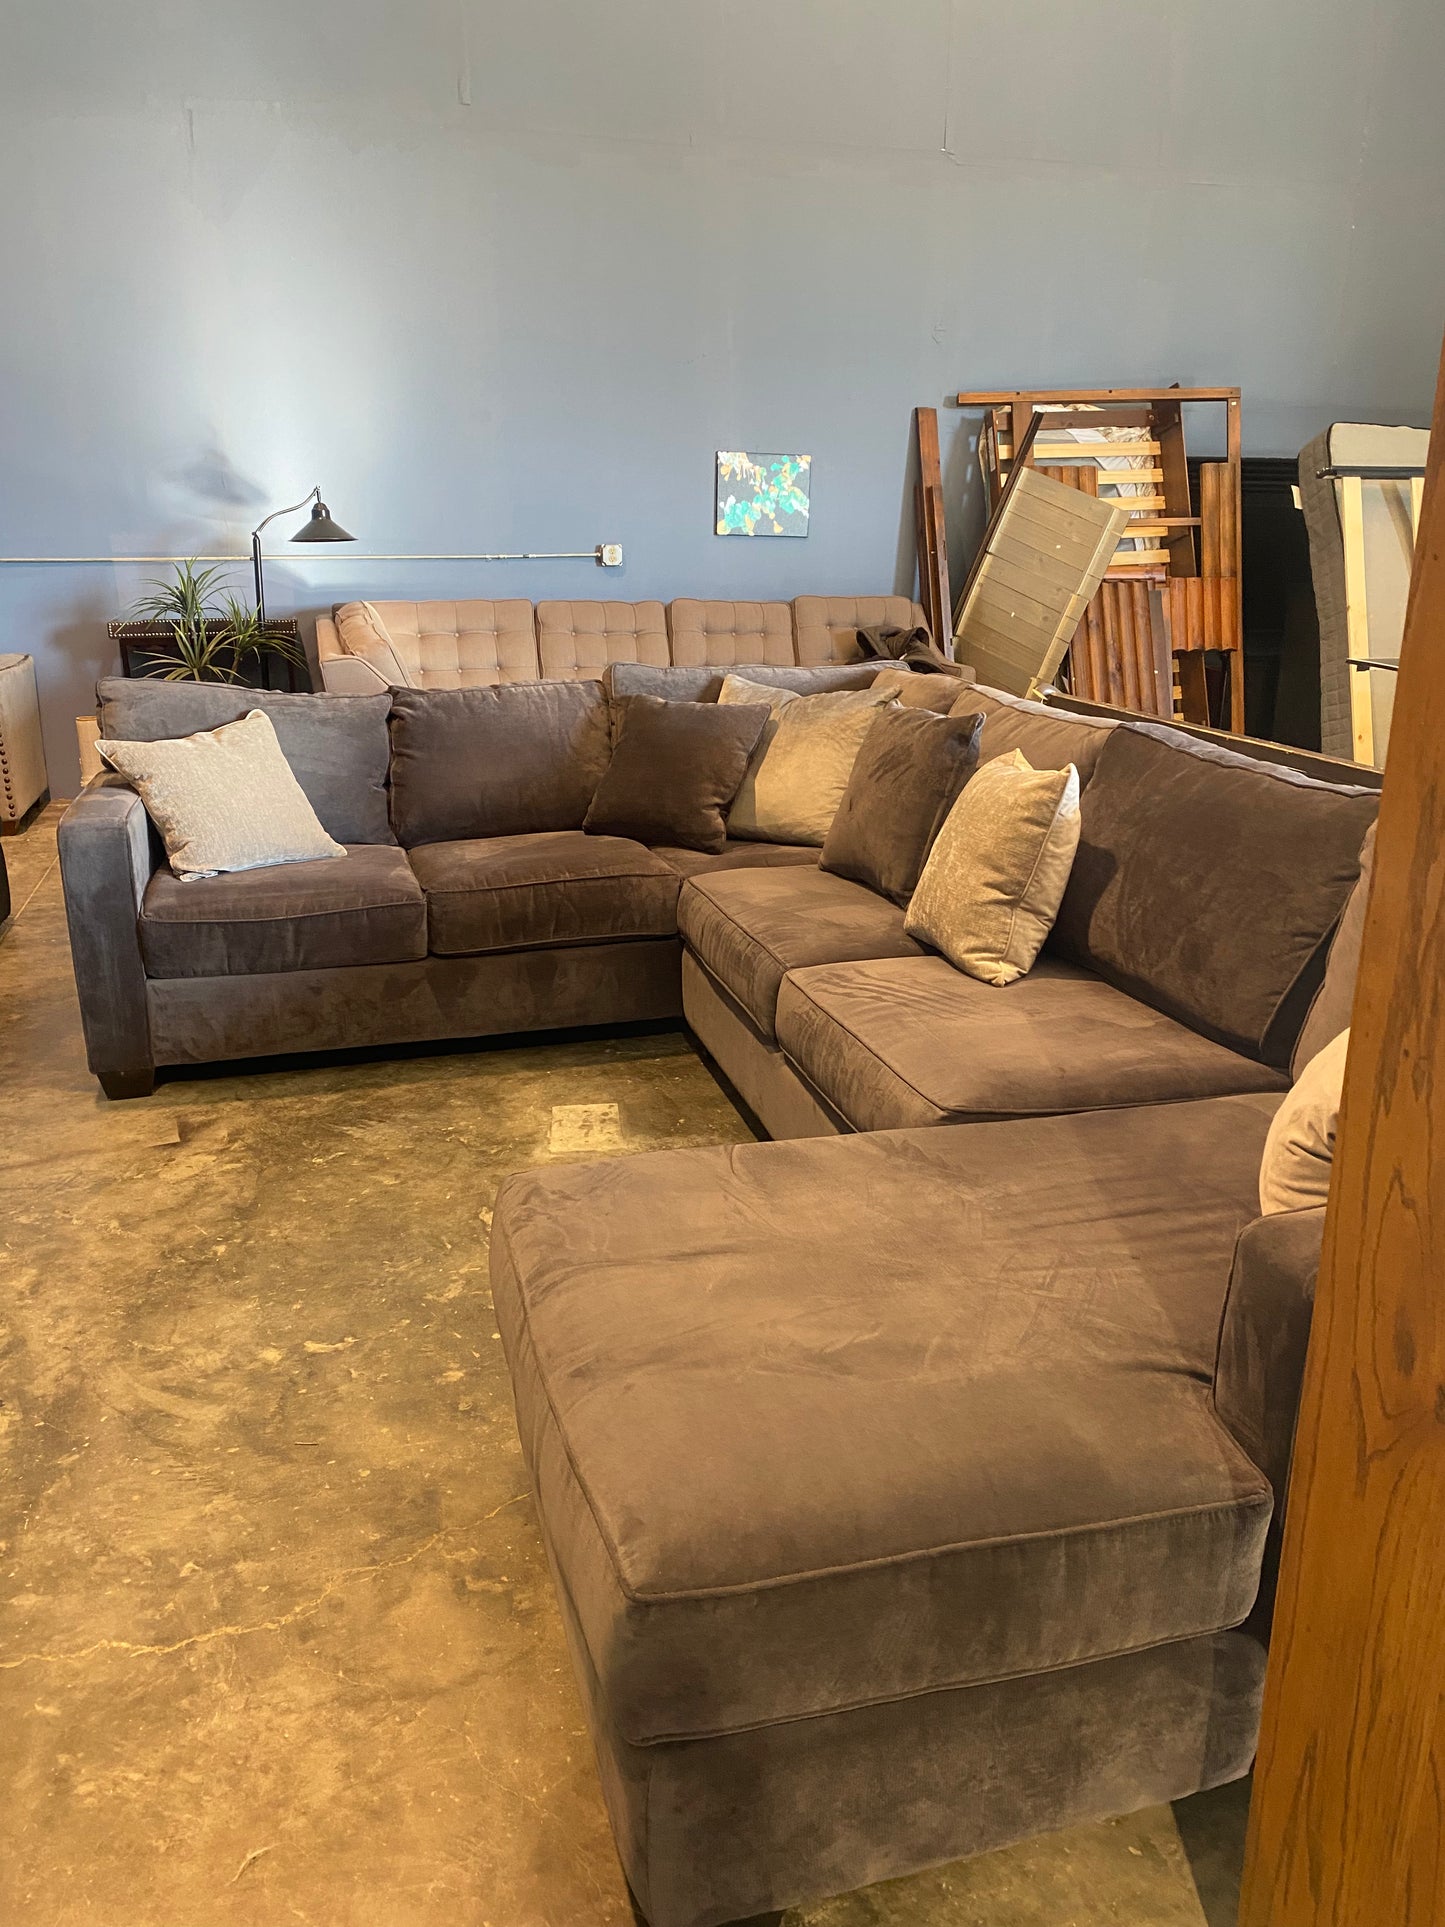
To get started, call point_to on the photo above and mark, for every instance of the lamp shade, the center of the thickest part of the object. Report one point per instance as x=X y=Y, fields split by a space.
x=321 y=528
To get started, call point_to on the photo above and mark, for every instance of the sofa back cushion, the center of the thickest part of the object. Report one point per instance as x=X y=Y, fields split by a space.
x=1207 y=885
x=825 y=627
x=1048 y=738
x=336 y=745
x=504 y=761
x=461 y=645
x=579 y=639
x=731 y=632
x=702 y=683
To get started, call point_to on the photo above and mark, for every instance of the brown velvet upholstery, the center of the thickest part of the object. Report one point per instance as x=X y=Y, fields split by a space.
x=757 y=1070
x=749 y=927
x=499 y=761
x=701 y=682
x=918 y=1474
x=530 y=892
x=736 y=854
x=914 y=1041
x=723 y=1829
x=363 y=908
x=202 y=1020
x=905 y=780
x=1206 y=884
x=1329 y=1014
x=675 y=768
x=1047 y=738
x=336 y=745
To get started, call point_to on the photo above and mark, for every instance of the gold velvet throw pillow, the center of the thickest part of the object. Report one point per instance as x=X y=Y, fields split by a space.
x=800 y=768
x=1299 y=1152
x=224 y=799
x=992 y=885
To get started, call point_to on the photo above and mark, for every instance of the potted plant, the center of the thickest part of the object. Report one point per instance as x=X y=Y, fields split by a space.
x=189 y=629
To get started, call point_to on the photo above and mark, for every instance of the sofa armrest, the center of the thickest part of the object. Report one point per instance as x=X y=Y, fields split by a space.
x=350 y=676
x=1263 y=1337
x=108 y=853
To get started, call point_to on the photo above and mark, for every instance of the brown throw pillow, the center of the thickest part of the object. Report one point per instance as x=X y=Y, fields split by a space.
x=905 y=781
x=675 y=769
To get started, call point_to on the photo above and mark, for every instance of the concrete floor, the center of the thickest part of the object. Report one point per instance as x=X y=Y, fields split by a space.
x=277 y=1641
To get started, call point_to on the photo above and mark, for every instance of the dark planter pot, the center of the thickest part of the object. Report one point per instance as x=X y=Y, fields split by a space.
x=147 y=647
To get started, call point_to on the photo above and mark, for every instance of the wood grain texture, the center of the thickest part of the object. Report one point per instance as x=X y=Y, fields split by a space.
x=1349 y=1805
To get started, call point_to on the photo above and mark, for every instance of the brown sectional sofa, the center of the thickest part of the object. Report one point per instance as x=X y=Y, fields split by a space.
x=911 y=1483
x=471 y=904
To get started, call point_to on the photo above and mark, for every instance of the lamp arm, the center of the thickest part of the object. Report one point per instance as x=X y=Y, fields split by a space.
x=313 y=496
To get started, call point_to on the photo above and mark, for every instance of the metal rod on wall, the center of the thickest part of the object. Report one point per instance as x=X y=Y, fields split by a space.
x=80 y=561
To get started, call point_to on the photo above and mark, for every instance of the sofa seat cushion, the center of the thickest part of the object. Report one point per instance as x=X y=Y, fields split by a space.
x=736 y=855
x=913 y=1041
x=748 y=928
x=365 y=908
x=534 y=892
x=821 y=1424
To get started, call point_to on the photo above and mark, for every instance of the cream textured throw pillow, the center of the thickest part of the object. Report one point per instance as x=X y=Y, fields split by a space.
x=1299 y=1151
x=225 y=799
x=800 y=768
x=364 y=634
x=997 y=872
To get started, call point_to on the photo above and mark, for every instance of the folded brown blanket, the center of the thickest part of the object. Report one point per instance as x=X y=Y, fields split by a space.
x=913 y=648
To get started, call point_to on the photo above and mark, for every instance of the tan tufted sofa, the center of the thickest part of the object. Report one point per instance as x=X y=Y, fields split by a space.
x=463 y=645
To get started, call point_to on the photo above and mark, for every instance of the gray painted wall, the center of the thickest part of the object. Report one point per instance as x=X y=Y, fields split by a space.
x=505 y=277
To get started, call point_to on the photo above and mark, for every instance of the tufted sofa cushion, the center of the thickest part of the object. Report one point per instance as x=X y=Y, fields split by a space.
x=730 y=632
x=577 y=640
x=463 y=645
x=826 y=626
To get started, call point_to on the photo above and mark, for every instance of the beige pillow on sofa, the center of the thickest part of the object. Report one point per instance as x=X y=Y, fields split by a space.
x=363 y=633
x=997 y=872
x=224 y=799
x=800 y=768
x=1300 y=1149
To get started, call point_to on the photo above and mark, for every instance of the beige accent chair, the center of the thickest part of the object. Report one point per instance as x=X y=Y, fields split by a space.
x=23 y=779
x=577 y=640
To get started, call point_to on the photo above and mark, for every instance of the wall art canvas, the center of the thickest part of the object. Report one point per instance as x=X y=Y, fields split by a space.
x=762 y=494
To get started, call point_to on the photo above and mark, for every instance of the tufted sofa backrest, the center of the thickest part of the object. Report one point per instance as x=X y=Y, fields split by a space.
x=464 y=645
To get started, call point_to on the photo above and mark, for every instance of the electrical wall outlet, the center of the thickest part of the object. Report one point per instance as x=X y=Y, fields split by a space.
x=609 y=554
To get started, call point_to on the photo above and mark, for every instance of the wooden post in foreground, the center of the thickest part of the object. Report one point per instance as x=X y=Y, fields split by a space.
x=1347 y=1828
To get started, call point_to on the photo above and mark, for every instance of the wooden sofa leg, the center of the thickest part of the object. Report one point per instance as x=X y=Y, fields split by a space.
x=123 y=1084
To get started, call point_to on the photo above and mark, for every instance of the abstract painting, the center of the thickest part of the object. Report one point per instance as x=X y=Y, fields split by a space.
x=762 y=494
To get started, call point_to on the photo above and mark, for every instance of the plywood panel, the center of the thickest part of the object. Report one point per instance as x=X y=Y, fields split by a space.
x=1349 y=1803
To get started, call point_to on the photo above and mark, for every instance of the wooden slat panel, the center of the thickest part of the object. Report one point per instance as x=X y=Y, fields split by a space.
x=1052 y=571
x=1128 y=652
x=1003 y=397
x=1047 y=449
